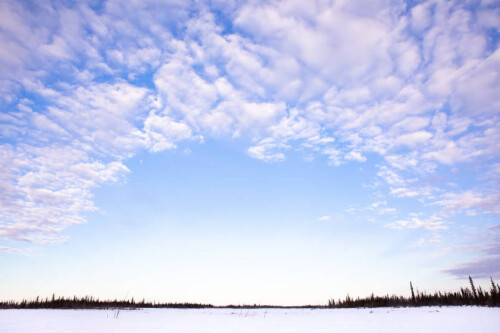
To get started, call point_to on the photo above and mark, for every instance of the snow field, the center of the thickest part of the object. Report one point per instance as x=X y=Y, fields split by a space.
x=426 y=319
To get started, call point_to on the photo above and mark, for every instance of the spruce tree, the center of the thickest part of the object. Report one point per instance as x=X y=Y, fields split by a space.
x=413 y=294
x=474 y=293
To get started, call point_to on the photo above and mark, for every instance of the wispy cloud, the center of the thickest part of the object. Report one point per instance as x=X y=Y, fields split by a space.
x=488 y=263
x=416 y=222
x=481 y=268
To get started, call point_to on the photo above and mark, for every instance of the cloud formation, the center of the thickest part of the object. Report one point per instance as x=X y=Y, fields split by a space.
x=85 y=87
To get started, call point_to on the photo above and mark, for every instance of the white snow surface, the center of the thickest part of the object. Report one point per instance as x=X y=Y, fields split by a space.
x=426 y=319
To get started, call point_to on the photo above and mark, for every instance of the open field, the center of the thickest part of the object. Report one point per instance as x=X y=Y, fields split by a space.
x=424 y=319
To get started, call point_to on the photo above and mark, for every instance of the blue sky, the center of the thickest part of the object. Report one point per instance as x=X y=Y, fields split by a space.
x=248 y=151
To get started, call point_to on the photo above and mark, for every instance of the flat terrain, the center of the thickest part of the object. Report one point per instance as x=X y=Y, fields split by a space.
x=426 y=319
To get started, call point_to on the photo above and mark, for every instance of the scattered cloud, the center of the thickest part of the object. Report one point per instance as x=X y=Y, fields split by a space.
x=45 y=189
x=416 y=222
x=25 y=252
x=423 y=241
x=465 y=201
x=411 y=90
x=355 y=156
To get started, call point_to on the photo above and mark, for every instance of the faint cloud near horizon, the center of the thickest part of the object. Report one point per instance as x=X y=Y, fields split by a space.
x=482 y=268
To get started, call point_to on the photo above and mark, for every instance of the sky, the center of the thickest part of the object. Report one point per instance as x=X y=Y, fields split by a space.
x=269 y=152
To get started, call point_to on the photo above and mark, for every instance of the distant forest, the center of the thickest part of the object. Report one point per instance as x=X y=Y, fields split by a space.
x=466 y=296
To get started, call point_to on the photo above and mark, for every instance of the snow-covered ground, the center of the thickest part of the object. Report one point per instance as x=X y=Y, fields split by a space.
x=428 y=319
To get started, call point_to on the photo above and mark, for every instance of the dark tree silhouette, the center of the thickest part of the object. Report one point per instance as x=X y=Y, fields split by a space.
x=466 y=296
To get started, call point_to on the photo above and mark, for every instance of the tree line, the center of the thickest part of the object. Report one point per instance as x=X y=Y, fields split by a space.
x=466 y=296
x=89 y=302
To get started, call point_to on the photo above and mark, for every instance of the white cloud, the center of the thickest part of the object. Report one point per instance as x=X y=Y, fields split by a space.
x=333 y=156
x=162 y=132
x=400 y=161
x=324 y=218
x=477 y=88
x=46 y=189
x=415 y=222
x=425 y=241
x=268 y=151
x=391 y=177
x=449 y=155
x=404 y=192
x=355 y=156
x=421 y=16
x=346 y=80
x=24 y=251
x=381 y=208
x=459 y=202
x=412 y=124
